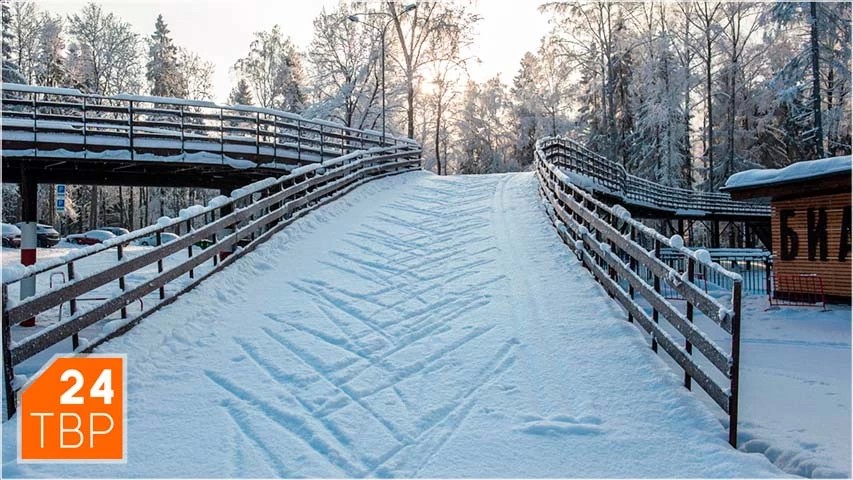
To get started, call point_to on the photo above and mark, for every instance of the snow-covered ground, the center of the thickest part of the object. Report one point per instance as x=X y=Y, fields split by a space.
x=421 y=326
x=795 y=387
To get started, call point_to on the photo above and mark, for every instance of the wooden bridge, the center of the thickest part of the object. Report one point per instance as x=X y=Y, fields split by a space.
x=63 y=136
x=60 y=135
x=677 y=210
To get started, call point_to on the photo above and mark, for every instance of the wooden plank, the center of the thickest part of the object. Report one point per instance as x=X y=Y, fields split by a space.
x=692 y=293
x=717 y=356
x=661 y=337
x=696 y=337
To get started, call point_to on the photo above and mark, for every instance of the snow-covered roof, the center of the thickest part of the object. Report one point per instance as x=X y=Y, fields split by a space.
x=792 y=173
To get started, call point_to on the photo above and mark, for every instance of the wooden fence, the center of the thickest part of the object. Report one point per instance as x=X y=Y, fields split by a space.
x=38 y=120
x=601 y=174
x=618 y=250
x=251 y=216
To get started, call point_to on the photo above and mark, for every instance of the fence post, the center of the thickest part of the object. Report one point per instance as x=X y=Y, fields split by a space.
x=84 y=128
x=162 y=289
x=190 y=247
x=655 y=313
x=72 y=307
x=221 y=137
x=633 y=266
x=768 y=276
x=130 y=126
x=258 y=137
x=183 y=135
x=691 y=268
x=120 y=251
x=734 y=373
x=8 y=369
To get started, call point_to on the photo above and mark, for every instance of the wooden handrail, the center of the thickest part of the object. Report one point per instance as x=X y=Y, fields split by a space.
x=175 y=121
x=613 y=179
x=616 y=249
x=249 y=217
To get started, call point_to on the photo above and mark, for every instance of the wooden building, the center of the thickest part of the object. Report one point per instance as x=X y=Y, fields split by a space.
x=810 y=223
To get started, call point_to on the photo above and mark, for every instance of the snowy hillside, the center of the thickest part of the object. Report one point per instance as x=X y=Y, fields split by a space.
x=421 y=326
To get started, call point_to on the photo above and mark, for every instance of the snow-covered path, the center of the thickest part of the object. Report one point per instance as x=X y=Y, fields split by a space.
x=421 y=326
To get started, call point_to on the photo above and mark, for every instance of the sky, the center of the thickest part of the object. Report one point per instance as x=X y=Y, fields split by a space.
x=220 y=31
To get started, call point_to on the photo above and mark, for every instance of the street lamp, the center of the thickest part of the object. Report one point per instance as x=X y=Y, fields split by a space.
x=354 y=18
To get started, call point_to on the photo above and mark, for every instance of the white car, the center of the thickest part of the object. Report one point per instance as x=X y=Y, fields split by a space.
x=151 y=240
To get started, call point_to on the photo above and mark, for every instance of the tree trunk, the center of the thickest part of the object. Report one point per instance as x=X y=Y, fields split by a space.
x=132 y=210
x=710 y=147
x=816 y=103
x=438 y=138
x=93 y=208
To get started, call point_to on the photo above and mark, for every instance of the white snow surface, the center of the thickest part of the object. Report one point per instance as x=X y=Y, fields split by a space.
x=796 y=171
x=420 y=326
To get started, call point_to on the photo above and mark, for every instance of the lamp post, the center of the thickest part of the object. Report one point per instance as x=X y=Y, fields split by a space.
x=354 y=18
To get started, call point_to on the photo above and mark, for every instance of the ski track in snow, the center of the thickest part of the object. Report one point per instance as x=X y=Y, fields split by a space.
x=421 y=326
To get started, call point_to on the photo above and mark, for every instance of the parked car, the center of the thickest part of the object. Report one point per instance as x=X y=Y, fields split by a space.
x=92 y=237
x=11 y=236
x=46 y=235
x=151 y=240
x=117 y=231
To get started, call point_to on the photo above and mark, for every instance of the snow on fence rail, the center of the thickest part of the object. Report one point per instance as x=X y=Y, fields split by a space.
x=41 y=121
x=610 y=244
x=594 y=172
x=249 y=217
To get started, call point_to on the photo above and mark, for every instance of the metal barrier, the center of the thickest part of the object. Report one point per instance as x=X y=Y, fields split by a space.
x=797 y=290
x=754 y=265
x=609 y=243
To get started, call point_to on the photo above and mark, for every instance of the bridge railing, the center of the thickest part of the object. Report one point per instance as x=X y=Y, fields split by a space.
x=39 y=120
x=156 y=276
x=624 y=255
x=611 y=178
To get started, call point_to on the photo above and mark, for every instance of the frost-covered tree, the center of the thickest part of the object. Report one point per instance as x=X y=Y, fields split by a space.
x=24 y=26
x=108 y=50
x=195 y=75
x=241 y=94
x=819 y=71
x=162 y=69
x=433 y=31
x=273 y=68
x=484 y=132
x=344 y=67
x=50 y=68
x=11 y=70
x=656 y=93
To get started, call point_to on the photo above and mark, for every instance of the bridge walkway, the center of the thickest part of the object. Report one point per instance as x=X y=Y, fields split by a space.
x=419 y=326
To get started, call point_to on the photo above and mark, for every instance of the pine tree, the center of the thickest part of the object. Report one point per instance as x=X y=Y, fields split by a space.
x=162 y=67
x=241 y=94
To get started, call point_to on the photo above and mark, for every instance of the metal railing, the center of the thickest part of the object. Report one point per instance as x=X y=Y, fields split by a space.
x=251 y=216
x=614 y=247
x=754 y=265
x=596 y=173
x=50 y=122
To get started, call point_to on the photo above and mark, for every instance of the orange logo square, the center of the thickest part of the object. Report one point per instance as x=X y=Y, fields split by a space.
x=73 y=411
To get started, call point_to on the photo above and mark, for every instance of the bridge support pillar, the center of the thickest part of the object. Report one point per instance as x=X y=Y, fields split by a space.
x=715 y=234
x=29 y=238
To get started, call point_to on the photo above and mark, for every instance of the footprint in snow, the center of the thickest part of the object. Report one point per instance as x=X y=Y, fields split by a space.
x=560 y=425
